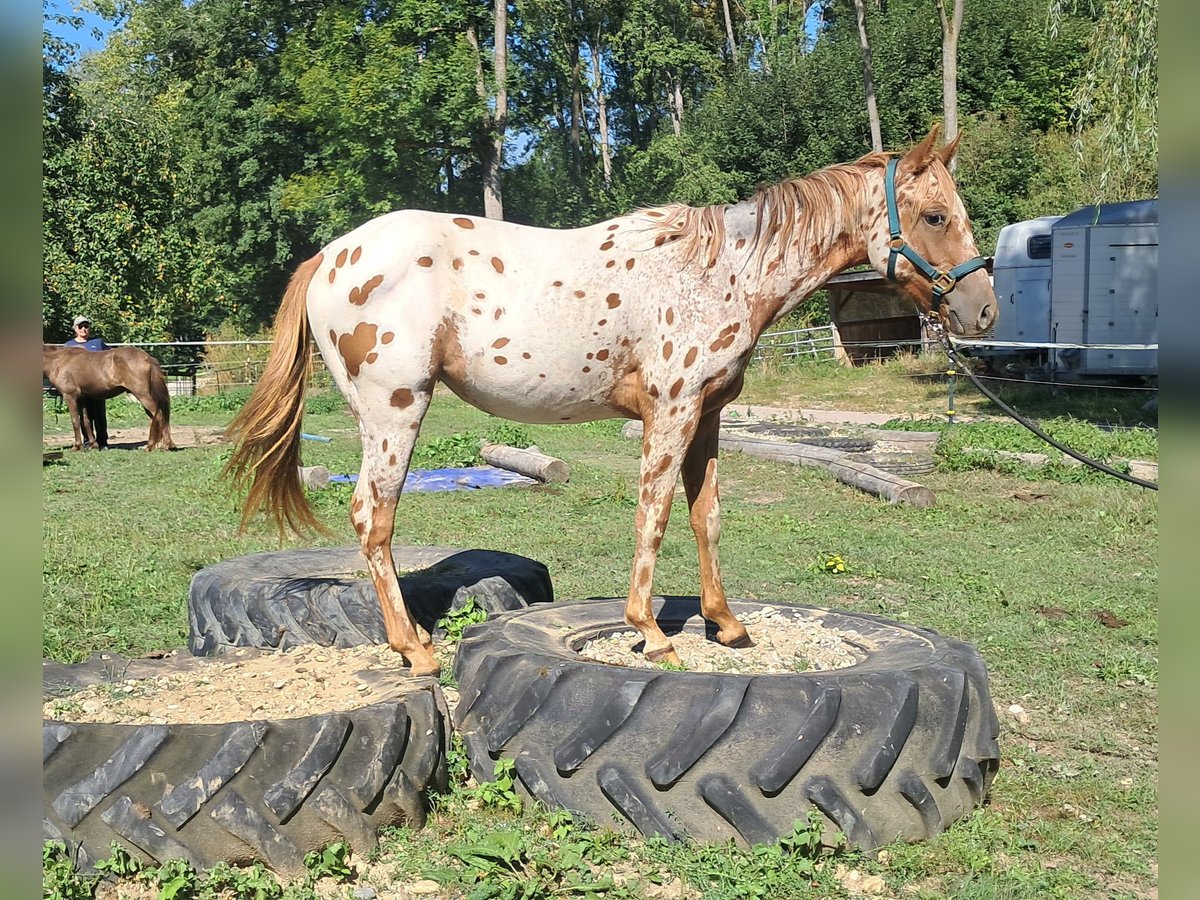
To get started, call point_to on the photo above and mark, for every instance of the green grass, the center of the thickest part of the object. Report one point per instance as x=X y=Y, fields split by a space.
x=1015 y=563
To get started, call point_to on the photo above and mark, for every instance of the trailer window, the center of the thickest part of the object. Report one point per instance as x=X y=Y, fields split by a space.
x=1039 y=246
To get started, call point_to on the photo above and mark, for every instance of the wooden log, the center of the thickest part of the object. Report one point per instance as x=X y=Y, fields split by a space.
x=530 y=462
x=867 y=478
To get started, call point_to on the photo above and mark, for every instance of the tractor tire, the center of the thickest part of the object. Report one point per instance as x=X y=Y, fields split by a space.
x=288 y=598
x=897 y=746
x=236 y=792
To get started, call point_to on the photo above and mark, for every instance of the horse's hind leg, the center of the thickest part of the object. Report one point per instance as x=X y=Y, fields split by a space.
x=704 y=503
x=78 y=421
x=388 y=436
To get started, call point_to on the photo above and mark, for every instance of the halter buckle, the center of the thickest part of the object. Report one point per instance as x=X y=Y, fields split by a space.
x=943 y=281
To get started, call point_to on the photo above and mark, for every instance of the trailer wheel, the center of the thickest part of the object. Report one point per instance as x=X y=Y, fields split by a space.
x=899 y=745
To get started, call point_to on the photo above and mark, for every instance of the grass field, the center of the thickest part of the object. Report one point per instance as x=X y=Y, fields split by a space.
x=1035 y=568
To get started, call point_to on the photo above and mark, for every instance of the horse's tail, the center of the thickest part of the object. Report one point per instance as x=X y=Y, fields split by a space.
x=266 y=432
x=159 y=393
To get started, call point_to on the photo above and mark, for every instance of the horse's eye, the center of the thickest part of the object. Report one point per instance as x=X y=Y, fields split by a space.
x=937 y=220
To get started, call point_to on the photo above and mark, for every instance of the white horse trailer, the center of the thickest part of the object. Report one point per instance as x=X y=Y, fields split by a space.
x=1089 y=278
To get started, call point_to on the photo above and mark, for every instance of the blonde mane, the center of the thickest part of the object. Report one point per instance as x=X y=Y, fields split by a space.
x=810 y=209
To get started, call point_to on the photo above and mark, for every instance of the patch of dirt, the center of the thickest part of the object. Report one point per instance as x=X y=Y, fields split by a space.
x=786 y=641
x=135 y=438
x=251 y=685
x=243 y=685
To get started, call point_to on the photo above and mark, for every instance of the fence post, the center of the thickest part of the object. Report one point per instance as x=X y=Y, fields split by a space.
x=952 y=372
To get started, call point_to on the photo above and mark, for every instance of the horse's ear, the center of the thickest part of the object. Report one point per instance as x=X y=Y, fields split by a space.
x=917 y=159
x=947 y=152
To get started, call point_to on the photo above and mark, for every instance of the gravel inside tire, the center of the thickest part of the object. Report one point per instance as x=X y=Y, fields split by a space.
x=897 y=746
x=324 y=596
x=270 y=790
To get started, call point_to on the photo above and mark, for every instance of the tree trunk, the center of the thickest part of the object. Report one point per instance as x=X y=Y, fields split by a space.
x=492 y=148
x=677 y=105
x=602 y=114
x=864 y=44
x=729 y=31
x=951 y=26
x=574 y=145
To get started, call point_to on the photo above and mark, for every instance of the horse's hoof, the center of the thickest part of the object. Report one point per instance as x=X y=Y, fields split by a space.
x=736 y=641
x=665 y=654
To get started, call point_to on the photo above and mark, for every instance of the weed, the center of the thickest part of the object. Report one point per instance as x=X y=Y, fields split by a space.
x=329 y=862
x=500 y=793
x=510 y=433
x=670 y=666
x=458 y=451
x=457 y=620
x=60 y=880
x=119 y=863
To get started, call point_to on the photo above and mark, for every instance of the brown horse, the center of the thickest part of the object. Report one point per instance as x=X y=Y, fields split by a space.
x=101 y=374
x=651 y=315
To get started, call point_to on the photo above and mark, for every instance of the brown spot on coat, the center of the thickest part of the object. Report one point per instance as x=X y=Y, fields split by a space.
x=668 y=349
x=675 y=388
x=385 y=445
x=358 y=295
x=601 y=355
x=356 y=255
x=341 y=258
x=476 y=310
x=741 y=242
x=354 y=346
x=472 y=252
x=612 y=227
x=499 y=342
x=660 y=240
x=587 y=368
x=498 y=264
x=501 y=360
x=332 y=336
x=526 y=356
x=607 y=265
x=392 y=460
x=670 y=315
x=387 y=337
x=607 y=245
x=629 y=264
x=371 y=357
x=733 y=279
x=401 y=399
x=457 y=263
x=580 y=295
x=691 y=356
x=498 y=313
x=425 y=262
x=464 y=223
x=653 y=392
x=602 y=322
x=613 y=300
x=332 y=275
x=558 y=284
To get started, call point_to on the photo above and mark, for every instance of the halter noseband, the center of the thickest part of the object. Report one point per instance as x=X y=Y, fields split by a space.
x=943 y=281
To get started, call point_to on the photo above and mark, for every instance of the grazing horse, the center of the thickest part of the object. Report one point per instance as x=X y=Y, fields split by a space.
x=102 y=374
x=651 y=315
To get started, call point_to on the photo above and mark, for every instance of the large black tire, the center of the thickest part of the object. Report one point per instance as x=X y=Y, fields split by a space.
x=239 y=791
x=895 y=747
x=324 y=596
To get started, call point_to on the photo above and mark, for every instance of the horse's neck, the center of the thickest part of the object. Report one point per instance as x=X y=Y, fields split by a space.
x=778 y=278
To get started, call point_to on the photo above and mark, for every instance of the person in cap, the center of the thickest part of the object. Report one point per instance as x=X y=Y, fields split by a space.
x=95 y=408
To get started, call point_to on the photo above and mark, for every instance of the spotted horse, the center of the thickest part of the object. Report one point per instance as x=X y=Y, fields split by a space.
x=651 y=315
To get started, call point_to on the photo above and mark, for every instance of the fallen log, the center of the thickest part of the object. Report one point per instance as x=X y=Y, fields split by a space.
x=528 y=461
x=867 y=478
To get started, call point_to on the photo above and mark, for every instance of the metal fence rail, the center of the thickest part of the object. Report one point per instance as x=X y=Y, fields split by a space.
x=818 y=343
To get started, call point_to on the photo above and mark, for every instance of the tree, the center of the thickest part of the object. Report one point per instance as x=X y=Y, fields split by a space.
x=1118 y=95
x=951 y=28
x=860 y=15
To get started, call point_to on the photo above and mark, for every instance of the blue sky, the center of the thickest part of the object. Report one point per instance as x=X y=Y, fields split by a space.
x=83 y=37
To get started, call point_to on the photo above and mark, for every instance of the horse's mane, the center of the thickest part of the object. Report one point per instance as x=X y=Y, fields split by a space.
x=810 y=208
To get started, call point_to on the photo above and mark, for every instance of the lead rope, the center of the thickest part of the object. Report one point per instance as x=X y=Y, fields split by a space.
x=956 y=362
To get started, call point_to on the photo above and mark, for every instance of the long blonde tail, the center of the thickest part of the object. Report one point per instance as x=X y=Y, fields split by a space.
x=266 y=432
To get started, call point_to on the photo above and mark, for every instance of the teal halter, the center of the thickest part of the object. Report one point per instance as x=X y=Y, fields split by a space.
x=943 y=281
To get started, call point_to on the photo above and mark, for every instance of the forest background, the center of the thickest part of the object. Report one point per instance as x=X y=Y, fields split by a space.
x=209 y=146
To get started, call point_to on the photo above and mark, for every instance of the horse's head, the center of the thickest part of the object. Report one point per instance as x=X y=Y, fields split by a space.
x=922 y=240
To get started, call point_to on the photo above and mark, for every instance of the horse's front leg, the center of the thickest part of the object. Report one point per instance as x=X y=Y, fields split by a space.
x=704 y=504
x=664 y=442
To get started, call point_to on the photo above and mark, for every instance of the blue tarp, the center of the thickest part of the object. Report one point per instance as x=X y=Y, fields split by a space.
x=453 y=479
